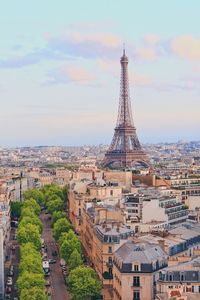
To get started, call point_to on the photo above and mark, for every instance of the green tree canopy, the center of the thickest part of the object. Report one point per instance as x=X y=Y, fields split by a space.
x=27 y=249
x=29 y=280
x=31 y=220
x=34 y=194
x=34 y=293
x=60 y=226
x=32 y=203
x=68 y=246
x=31 y=263
x=16 y=207
x=53 y=189
x=83 y=283
x=55 y=205
x=29 y=233
x=74 y=260
x=27 y=212
x=66 y=236
x=58 y=215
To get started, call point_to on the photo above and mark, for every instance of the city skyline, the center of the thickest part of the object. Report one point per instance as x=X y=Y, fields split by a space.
x=60 y=71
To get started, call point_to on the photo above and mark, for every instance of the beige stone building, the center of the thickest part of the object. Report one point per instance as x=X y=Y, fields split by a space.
x=135 y=271
x=181 y=281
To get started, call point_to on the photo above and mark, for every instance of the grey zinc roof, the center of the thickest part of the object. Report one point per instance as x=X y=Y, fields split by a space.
x=193 y=265
x=141 y=252
x=185 y=233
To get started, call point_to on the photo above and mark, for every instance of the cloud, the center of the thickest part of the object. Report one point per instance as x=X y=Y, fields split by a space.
x=187 y=47
x=140 y=80
x=151 y=39
x=147 y=53
x=70 y=74
x=103 y=46
x=86 y=45
x=19 y=61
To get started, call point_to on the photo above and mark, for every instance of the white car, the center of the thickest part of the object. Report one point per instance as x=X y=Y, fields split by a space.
x=9 y=281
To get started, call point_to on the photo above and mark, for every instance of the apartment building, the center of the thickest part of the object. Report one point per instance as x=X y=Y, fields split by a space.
x=136 y=269
x=181 y=281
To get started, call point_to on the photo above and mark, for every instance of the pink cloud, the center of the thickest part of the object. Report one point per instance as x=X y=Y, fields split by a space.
x=146 y=53
x=151 y=39
x=187 y=47
x=139 y=80
x=78 y=74
x=103 y=39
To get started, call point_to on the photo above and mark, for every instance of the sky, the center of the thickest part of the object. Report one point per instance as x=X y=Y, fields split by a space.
x=60 y=70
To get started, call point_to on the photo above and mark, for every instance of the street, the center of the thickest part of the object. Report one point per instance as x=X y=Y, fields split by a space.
x=58 y=287
x=12 y=260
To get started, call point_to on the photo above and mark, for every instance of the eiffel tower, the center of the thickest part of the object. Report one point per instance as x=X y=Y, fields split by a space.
x=125 y=149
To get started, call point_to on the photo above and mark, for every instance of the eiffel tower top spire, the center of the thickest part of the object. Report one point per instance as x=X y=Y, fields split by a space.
x=124 y=114
x=125 y=148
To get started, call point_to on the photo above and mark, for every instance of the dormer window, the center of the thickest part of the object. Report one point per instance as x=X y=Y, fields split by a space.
x=136 y=267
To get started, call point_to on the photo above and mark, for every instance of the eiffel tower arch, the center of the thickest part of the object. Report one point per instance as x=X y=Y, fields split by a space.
x=125 y=149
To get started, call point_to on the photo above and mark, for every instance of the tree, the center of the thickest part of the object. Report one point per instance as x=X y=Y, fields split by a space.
x=32 y=203
x=34 y=194
x=83 y=283
x=66 y=236
x=68 y=246
x=28 y=280
x=53 y=189
x=34 y=293
x=16 y=208
x=74 y=260
x=31 y=263
x=27 y=249
x=58 y=215
x=60 y=226
x=31 y=220
x=55 y=205
x=29 y=233
x=27 y=212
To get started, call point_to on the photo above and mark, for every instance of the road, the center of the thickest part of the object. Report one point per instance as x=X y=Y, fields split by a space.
x=58 y=287
x=13 y=259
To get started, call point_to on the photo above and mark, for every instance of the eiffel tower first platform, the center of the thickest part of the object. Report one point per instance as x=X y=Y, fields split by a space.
x=125 y=149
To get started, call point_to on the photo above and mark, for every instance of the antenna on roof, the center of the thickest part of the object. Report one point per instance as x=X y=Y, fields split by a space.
x=123 y=48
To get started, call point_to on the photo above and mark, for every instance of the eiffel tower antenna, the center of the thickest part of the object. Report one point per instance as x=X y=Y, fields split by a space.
x=125 y=149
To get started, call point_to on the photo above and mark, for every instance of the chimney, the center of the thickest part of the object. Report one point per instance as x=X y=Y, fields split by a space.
x=162 y=244
x=118 y=227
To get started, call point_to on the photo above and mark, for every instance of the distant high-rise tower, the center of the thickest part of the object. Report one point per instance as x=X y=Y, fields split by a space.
x=125 y=149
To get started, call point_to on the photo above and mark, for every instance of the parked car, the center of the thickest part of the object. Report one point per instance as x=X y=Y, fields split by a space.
x=47 y=283
x=62 y=262
x=8 y=289
x=10 y=273
x=15 y=287
x=52 y=261
x=9 y=281
x=44 y=256
x=54 y=253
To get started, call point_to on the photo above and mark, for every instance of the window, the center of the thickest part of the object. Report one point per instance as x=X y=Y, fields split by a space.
x=136 y=281
x=136 y=295
x=110 y=259
x=136 y=268
x=109 y=249
x=111 y=192
x=192 y=289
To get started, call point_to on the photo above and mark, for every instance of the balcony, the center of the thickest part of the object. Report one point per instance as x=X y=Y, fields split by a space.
x=107 y=276
x=109 y=264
